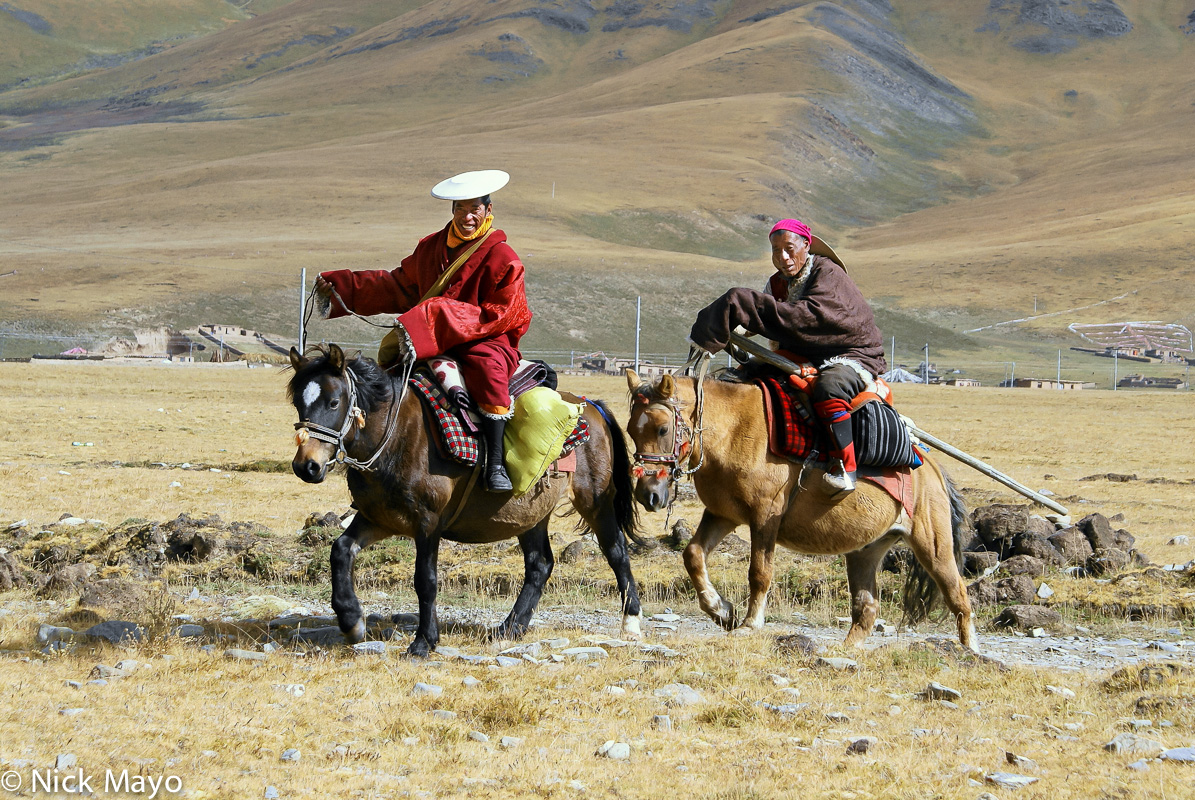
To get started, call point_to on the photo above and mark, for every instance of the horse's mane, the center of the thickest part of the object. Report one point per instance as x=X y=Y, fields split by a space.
x=374 y=385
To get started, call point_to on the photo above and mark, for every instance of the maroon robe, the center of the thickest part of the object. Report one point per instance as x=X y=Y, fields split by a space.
x=478 y=319
x=831 y=318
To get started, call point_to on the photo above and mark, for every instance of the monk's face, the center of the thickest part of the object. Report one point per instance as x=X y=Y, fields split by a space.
x=788 y=252
x=470 y=214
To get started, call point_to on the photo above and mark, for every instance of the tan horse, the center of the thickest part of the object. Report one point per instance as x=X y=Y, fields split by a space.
x=741 y=483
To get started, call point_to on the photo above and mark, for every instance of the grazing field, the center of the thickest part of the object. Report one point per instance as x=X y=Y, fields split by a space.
x=119 y=445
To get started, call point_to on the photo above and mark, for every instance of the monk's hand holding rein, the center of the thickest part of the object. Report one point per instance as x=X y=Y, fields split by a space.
x=397 y=347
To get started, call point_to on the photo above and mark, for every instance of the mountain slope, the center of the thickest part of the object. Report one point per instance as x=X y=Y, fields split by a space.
x=650 y=144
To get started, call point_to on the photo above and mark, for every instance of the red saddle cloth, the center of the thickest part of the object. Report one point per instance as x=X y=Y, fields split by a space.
x=794 y=435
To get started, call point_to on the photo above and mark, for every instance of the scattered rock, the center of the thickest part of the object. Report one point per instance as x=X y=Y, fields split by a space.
x=291 y=754
x=1131 y=744
x=1177 y=541
x=370 y=648
x=236 y=654
x=1061 y=691
x=1028 y=617
x=1185 y=755
x=661 y=722
x=118 y=632
x=1072 y=545
x=936 y=691
x=478 y=736
x=1098 y=531
x=585 y=653
x=1008 y=780
x=573 y=552
x=798 y=644
x=678 y=695
x=618 y=751
x=1020 y=762
x=1108 y=561
x=839 y=664
x=861 y=745
x=978 y=563
x=510 y=742
x=1022 y=565
x=1017 y=590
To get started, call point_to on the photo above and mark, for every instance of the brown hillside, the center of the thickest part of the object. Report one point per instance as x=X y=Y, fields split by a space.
x=962 y=171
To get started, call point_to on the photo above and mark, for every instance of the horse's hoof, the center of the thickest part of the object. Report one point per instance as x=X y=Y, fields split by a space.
x=355 y=634
x=418 y=649
x=632 y=630
x=742 y=630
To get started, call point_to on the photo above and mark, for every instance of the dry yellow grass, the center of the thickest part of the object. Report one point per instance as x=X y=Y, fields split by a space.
x=221 y=726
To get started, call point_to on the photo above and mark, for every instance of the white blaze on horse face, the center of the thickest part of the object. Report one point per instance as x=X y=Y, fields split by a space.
x=311 y=393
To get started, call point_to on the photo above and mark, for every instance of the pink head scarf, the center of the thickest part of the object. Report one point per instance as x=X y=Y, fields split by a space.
x=794 y=225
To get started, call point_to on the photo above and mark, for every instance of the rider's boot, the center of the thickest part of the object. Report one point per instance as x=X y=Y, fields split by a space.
x=839 y=478
x=496 y=479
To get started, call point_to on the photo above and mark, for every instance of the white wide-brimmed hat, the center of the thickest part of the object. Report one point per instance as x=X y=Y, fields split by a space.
x=468 y=185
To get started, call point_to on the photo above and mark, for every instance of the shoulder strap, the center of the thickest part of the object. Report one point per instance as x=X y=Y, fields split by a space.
x=440 y=283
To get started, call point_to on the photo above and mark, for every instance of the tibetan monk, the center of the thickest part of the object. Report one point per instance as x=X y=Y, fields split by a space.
x=812 y=308
x=460 y=294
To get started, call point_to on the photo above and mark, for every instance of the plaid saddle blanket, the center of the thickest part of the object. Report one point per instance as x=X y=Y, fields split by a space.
x=459 y=442
x=881 y=439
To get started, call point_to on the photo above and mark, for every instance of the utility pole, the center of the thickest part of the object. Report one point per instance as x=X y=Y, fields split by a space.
x=302 y=303
x=638 y=309
x=1059 y=381
x=925 y=364
x=892 y=363
x=1116 y=369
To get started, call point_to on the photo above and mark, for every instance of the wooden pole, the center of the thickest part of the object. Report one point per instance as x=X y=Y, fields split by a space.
x=782 y=363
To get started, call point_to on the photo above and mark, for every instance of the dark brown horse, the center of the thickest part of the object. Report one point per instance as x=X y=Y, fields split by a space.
x=352 y=410
x=740 y=482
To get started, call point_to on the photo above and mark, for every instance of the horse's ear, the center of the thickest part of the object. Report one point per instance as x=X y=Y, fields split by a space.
x=298 y=360
x=336 y=357
x=667 y=386
x=633 y=380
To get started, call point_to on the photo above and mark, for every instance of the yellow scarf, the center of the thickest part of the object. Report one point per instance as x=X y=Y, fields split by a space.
x=456 y=238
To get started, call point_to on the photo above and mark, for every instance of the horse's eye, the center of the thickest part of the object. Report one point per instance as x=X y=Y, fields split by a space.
x=663 y=431
x=335 y=403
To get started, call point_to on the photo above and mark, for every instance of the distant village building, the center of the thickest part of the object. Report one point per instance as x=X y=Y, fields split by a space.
x=1045 y=383
x=1149 y=382
x=609 y=365
x=961 y=382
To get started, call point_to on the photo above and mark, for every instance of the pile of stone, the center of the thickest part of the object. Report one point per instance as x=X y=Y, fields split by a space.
x=1012 y=551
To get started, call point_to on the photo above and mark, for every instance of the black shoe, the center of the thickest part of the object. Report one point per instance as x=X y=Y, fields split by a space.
x=496 y=479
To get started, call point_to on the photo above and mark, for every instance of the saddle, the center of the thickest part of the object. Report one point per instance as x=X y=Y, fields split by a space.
x=542 y=432
x=881 y=438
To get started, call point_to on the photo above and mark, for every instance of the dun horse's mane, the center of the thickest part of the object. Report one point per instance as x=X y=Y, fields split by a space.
x=374 y=385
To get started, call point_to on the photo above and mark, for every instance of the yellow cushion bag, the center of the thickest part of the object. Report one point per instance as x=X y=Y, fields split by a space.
x=542 y=421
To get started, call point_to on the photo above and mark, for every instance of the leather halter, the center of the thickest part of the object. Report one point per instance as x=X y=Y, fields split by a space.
x=669 y=463
x=682 y=435
x=353 y=415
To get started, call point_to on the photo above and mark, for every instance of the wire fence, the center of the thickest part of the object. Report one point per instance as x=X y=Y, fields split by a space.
x=1069 y=370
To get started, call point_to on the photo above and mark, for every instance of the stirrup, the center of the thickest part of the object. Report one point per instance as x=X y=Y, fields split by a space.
x=496 y=480
x=839 y=481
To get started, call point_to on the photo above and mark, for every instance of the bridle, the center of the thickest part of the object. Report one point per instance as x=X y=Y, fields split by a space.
x=684 y=438
x=666 y=465
x=354 y=416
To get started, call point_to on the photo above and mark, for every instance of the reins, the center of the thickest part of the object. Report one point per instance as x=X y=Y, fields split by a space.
x=356 y=415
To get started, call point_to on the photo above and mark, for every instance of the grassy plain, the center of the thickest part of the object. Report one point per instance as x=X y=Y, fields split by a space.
x=221 y=725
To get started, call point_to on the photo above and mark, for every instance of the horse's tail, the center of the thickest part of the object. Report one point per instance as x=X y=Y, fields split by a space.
x=625 y=510
x=921 y=592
